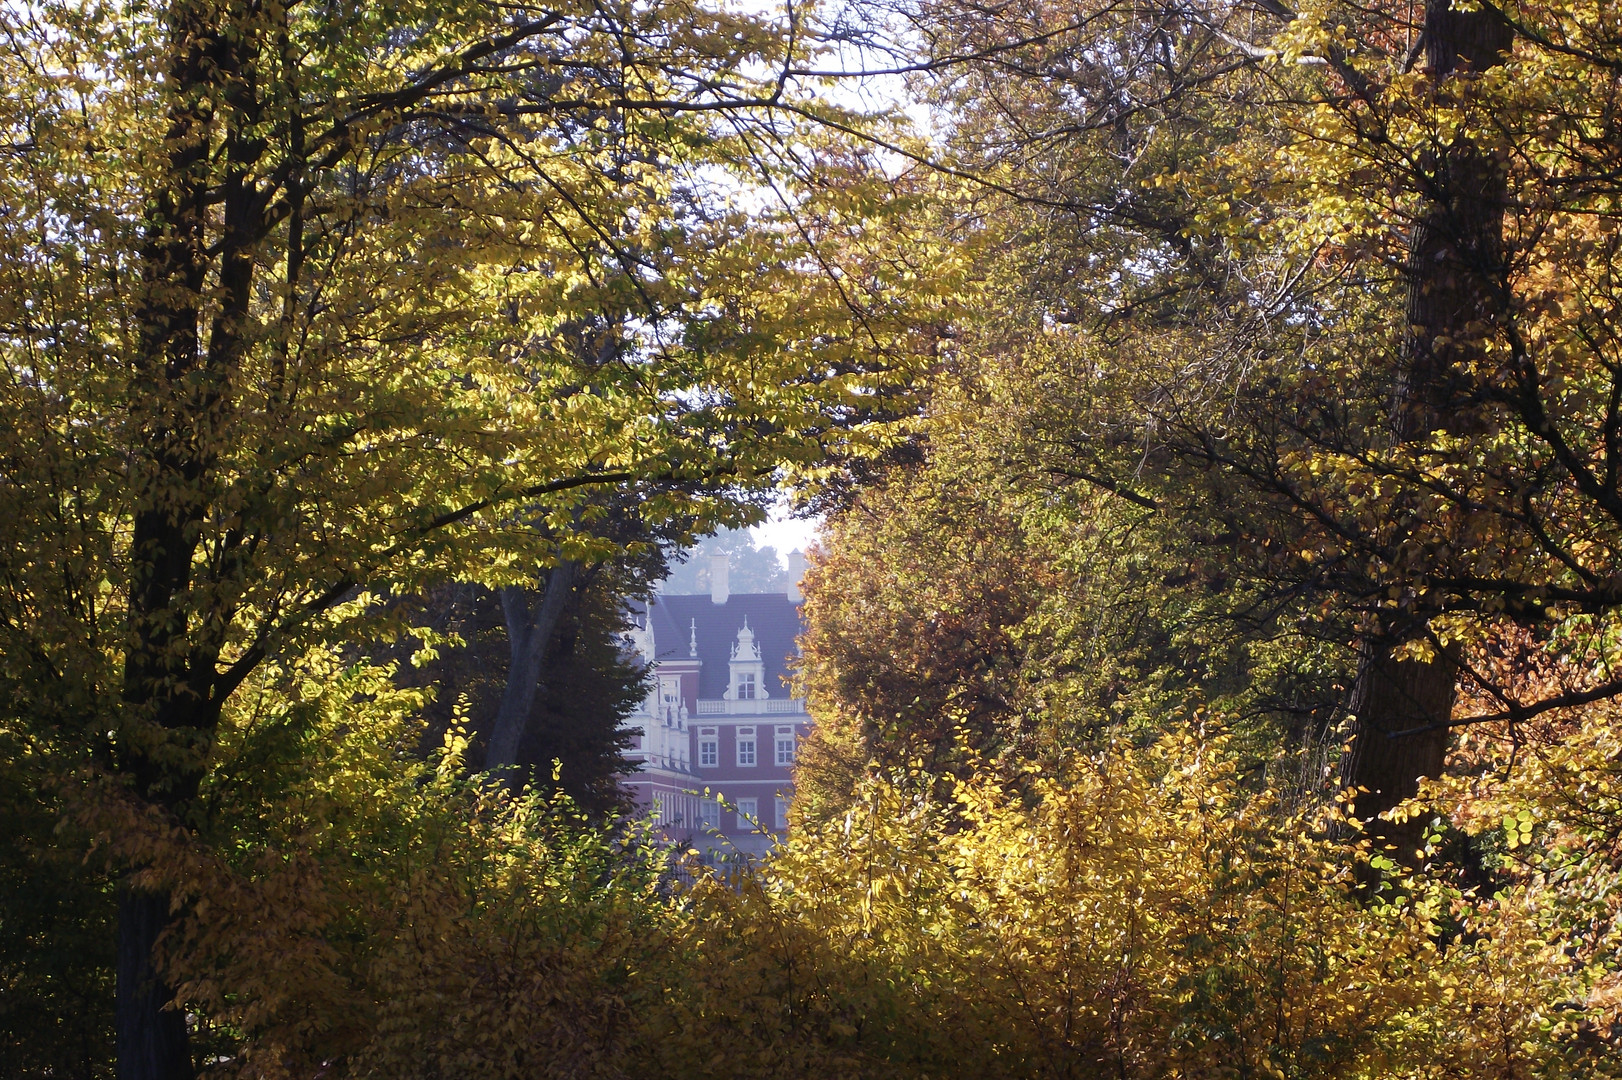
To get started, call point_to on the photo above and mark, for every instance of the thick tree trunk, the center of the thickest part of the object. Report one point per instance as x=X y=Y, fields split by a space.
x=152 y=1042
x=1396 y=703
x=1454 y=270
x=178 y=392
x=529 y=634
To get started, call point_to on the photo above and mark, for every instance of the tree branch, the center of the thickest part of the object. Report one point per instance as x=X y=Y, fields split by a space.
x=1517 y=713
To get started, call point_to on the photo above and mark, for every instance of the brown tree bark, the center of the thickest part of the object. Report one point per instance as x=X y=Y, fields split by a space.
x=1394 y=744
x=180 y=389
x=1455 y=261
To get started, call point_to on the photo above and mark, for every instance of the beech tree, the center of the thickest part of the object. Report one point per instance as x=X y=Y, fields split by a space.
x=1338 y=281
x=1403 y=704
x=291 y=318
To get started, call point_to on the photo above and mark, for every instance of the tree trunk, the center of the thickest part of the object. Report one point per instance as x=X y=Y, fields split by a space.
x=529 y=635
x=1455 y=266
x=178 y=392
x=1392 y=697
x=152 y=1043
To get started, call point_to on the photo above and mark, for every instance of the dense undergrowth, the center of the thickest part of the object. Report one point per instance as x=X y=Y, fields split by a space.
x=1128 y=912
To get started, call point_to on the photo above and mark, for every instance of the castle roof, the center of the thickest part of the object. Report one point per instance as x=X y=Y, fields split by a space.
x=773 y=618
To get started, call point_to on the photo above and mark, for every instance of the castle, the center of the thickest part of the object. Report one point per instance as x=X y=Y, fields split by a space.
x=716 y=738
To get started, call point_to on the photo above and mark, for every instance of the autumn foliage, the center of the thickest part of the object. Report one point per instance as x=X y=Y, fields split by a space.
x=1223 y=394
x=1135 y=912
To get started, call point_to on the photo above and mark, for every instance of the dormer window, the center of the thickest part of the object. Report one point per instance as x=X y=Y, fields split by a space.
x=748 y=670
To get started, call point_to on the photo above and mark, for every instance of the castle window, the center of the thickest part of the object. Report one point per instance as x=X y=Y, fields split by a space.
x=747 y=670
x=746 y=746
x=709 y=748
x=748 y=809
x=785 y=745
x=782 y=812
x=709 y=813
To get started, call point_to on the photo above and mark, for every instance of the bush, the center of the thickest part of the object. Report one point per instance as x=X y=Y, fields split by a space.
x=351 y=910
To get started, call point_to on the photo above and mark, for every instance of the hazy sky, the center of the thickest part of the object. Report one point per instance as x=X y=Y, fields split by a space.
x=784 y=533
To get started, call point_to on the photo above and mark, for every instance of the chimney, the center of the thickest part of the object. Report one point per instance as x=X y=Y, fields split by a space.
x=718 y=579
x=796 y=570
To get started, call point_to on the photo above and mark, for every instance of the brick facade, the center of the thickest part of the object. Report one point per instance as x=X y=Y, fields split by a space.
x=719 y=730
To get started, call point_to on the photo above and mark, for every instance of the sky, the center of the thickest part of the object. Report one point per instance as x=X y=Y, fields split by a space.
x=785 y=533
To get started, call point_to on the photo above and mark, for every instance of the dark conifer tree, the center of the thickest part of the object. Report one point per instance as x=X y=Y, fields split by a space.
x=589 y=686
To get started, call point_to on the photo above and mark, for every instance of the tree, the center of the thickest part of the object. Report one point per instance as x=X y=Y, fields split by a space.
x=988 y=607
x=751 y=569
x=1345 y=318
x=578 y=726
x=911 y=650
x=587 y=684
x=289 y=316
x=1403 y=704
